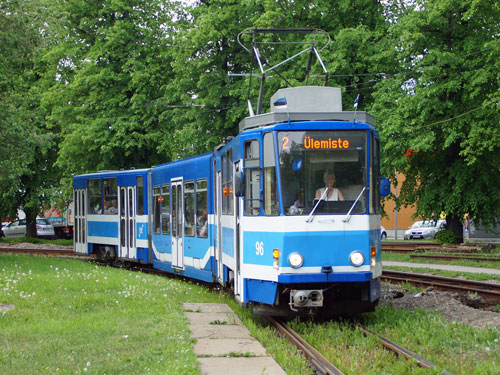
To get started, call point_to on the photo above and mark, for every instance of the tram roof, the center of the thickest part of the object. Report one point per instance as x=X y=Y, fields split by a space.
x=273 y=118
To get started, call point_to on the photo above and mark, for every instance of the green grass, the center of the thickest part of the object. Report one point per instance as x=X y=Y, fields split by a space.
x=457 y=348
x=74 y=317
x=16 y=240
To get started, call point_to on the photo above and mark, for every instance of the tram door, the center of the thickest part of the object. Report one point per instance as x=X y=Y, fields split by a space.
x=218 y=239
x=238 y=280
x=177 y=199
x=127 y=222
x=80 y=225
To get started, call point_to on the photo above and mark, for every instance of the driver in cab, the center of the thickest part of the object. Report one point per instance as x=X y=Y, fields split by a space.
x=332 y=193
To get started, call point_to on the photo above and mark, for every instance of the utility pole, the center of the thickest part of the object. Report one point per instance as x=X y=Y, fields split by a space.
x=396 y=206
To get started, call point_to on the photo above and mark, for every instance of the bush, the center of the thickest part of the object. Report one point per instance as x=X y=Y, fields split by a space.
x=446 y=236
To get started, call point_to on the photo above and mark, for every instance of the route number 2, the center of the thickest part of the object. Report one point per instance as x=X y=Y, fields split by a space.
x=259 y=247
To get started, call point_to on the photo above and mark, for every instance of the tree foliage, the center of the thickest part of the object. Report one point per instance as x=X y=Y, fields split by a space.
x=439 y=112
x=113 y=67
x=29 y=146
x=133 y=83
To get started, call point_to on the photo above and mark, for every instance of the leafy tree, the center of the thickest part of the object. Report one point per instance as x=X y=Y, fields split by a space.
x=439 y=112
x=112 y=69
x=207 y=100
x=29 y=146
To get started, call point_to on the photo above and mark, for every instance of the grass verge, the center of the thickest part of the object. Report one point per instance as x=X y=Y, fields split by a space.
x=17 y=240
x=74 y=317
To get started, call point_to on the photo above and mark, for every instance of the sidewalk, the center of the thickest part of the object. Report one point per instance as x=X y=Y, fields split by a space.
x=445 y=267
x=224 y=345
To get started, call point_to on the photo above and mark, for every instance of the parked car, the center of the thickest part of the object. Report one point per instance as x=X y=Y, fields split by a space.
x=424 y=230
x=383 y=233
x=18 y=229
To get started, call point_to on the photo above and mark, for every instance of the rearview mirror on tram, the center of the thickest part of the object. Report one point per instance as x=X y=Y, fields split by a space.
x=385 y=187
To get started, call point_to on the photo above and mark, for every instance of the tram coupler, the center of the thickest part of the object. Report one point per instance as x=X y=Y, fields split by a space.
x=306 y=298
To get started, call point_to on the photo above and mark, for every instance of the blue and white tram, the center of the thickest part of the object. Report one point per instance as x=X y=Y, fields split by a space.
x=182 y=222
x=290 y=245
x=286 y=212
x=111 y=215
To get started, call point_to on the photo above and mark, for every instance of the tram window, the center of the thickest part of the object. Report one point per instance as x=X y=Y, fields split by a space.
x=201 y=208
x=95 y=196
x=76 y=203
x=252 y=178
x=189 y=208
x=165 y=209
x=374 y=174
x=271 y=201
x=223 y=187
x=110 y=196
x=156 y=210
x=140 y=195
x=227 y=183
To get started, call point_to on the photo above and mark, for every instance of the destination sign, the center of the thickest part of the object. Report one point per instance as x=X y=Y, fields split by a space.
x=311 y=143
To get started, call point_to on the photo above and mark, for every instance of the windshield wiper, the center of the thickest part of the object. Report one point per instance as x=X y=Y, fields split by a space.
x=310 y=217
x=348 y=216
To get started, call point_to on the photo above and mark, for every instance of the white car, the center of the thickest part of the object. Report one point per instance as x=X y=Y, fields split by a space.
x=424 y=230
x=383 y=232
x=18 y=229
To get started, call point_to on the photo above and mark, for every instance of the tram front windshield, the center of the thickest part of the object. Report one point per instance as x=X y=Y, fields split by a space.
x=324 y=171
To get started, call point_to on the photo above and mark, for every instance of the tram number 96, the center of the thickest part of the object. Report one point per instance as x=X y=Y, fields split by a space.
x=259 y=247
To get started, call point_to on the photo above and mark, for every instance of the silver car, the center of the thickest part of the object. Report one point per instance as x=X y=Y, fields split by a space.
x=424 y=230
x=18 y=229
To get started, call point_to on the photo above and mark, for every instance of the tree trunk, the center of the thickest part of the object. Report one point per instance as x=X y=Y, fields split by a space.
x=30 y=224
x=454 y=224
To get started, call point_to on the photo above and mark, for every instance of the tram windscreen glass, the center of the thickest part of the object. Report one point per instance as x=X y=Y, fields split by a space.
x=323 y=168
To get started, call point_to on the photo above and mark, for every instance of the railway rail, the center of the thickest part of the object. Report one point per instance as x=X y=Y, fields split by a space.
x=397 y=349
x=409 y=246
x=325 y=367
x=41 y=251
x=419 y=246
x=481 y=258
x=489 y=291
x=317 y=360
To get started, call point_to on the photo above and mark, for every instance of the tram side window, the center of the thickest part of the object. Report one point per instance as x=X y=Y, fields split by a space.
x=271 y=201
x=156 y=210
x=110 y=196
x=165 y=209
x=94 y=196
x=227 y=183
x=189 y=208
x=140 y=195
x=201 y=208
x=252 y=178
x=374 y=176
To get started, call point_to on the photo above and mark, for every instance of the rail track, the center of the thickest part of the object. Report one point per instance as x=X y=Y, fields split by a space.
x=317 y=360
x=481 y=258
x=489 y=291
x=325 y=367
x=47 y=252
x=409 y=246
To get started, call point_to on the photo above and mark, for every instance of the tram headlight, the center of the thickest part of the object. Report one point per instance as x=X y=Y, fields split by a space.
x=356 y=258
x=296 y=260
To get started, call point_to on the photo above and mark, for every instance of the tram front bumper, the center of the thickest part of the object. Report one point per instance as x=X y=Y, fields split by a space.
x=334 y=277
